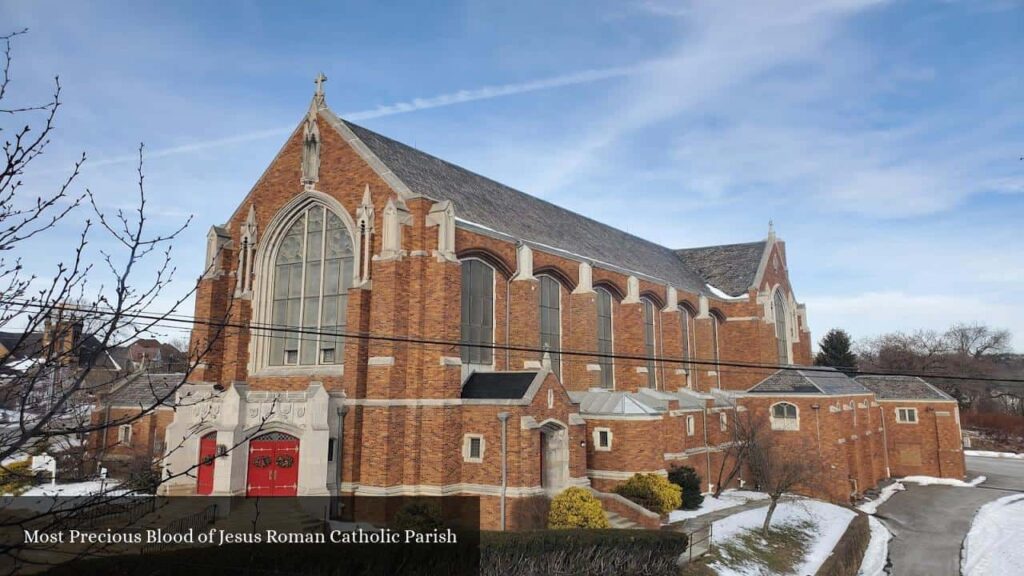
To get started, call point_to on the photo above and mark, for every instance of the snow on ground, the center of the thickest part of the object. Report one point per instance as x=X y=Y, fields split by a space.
x=990 y=454
x=993 y=546
x=729 y=499
x=871 y=506
x=88 y=488
x=830 y=523
x=877 y=554
x=932 y=480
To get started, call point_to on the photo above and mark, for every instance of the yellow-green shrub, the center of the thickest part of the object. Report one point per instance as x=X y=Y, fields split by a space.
x=576 y=508
x=653 y=492
x=15 y=477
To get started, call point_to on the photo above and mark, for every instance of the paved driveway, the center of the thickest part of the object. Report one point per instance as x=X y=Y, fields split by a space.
x=929 y=523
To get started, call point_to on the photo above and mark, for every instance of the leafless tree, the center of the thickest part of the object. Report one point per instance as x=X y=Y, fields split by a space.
x=745 y=435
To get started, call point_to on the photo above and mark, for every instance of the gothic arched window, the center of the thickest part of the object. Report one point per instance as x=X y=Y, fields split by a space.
x=605 y=346
x=781 y=327
x=686 y=320
x=477 y=325
x=312 y=274
x=551 y=319
x=650 y=350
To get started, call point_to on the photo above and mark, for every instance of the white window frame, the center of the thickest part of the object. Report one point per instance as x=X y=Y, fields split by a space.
x=124 y=434
x=723 y=421
x=784 y=424
x=467 y=442
x=691 y=425
x=597 y=439
x=908 y=410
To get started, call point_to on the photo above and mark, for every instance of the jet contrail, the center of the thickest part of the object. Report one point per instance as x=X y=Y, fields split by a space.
x=439 y=101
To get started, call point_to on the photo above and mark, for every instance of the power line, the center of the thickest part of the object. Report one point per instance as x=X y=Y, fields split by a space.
x=837 y=372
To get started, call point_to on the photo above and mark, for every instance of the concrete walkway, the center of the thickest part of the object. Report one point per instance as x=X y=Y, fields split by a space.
x=929 y=523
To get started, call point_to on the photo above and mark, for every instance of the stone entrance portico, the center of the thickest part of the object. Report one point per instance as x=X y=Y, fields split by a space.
x=238 y=414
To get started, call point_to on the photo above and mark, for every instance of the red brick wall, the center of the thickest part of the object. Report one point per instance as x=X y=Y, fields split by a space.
x=931 y=447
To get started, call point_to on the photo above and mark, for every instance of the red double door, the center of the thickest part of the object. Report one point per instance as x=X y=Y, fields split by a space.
x=207 y=462
x=273 y=465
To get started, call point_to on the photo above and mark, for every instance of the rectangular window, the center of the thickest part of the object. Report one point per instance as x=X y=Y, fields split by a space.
x=550 y=320
x=604 y=338
x=723 y=421
x=124 y=434
x=477 y=326
x=906 y=415
x=691 y=425
x=603 y=439
x=649 y=344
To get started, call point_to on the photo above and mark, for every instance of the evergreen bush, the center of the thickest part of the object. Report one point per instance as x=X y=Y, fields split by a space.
x=576 y=507
x=652 y=491
x=689 y=482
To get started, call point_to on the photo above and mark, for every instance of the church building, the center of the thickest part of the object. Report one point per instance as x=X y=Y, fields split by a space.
x=376 y=321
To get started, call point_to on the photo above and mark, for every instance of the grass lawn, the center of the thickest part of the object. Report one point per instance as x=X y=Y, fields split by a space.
x=780 y=553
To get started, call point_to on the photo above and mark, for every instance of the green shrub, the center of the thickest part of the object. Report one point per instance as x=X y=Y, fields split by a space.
x=419 y=515
x=15 y=477
x=652 y=491
x=576 y=508
x=689 y=481
x=581 y=552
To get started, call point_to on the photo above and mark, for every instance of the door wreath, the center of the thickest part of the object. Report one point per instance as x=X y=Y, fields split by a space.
x=261 y=461
x=285 y=461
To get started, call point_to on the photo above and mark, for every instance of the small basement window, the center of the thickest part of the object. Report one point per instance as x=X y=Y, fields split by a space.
x=691 y=425
x=602 y=439
x=906 y=415
x=723 y=421
x=473 y=448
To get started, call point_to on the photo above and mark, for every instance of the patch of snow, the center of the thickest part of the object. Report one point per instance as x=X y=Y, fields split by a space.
x=718 y=293
x=876 y=556
x=728 y=499
x=830 y=523
x=990 y=454
x=993 y=544
x=88 y=488
x=871 y=506
x=932 y=480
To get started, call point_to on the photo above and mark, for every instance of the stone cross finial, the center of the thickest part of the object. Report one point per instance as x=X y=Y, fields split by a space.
x=771 y=229
x=319 y=81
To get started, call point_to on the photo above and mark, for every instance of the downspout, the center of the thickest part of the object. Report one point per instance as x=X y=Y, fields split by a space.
x=817 y=426
x=885 y=440
x=503 y=416
x=938 y=441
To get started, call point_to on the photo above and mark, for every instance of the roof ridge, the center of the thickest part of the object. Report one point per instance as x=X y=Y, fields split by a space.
x=709 y=246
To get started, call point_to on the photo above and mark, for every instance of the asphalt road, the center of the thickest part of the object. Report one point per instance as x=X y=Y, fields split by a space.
x=929 y=523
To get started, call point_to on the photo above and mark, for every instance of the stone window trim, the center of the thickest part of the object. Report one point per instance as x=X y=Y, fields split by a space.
x=691 y=425
x=723 y=421
x=124 y=434
x=784 y=416
x=906 y=415
x=471 y=442
x=263 y=266
x=603 y=446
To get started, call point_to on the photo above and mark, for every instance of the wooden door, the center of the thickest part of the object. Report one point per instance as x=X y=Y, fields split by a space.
x=207 y=463
x=273 y=465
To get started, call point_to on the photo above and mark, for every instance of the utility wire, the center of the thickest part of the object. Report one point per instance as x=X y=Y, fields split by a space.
x=291 y=332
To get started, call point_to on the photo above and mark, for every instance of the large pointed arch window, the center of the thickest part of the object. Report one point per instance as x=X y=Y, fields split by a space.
x=551 y=320
x=650 y=350
x=781 y=327
x=605 y=346
x=312 y=274
x=477 y=327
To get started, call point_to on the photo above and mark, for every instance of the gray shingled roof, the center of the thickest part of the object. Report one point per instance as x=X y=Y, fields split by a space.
x=498 y=385
x=731 y=268
x=483 y=201
x=902 y=388
x=145 y=390
x=817 y=381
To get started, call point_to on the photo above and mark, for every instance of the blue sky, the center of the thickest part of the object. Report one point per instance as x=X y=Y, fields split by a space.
x=883 y=138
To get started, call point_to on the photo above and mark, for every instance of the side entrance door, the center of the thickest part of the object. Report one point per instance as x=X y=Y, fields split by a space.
x=273 y=465
x=207 y=462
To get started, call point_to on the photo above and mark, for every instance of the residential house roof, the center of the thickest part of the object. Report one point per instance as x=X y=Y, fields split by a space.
x=145 y=391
